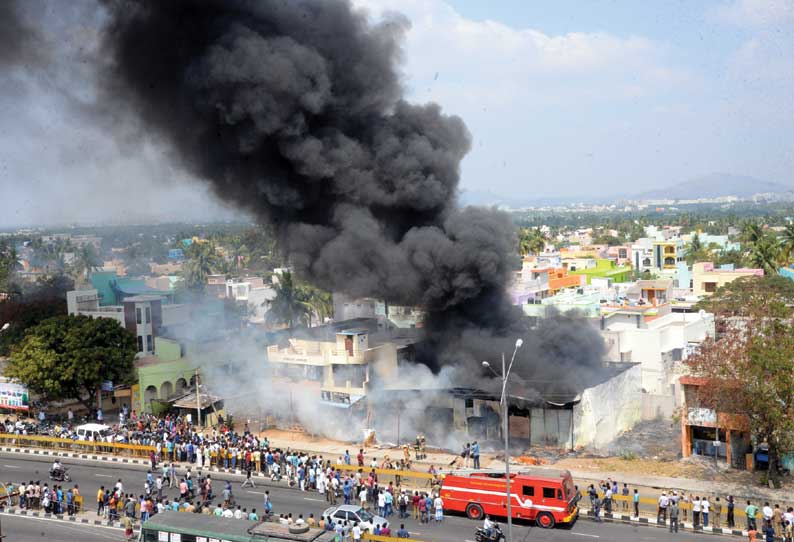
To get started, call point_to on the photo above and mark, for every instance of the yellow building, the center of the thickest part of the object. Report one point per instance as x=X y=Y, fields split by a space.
x=706 y=279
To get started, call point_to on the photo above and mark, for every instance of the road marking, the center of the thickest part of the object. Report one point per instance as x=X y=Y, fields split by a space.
x=11 y=467
x=256 y=492
x=587 y=535
x=315 y=500
x=104 y=475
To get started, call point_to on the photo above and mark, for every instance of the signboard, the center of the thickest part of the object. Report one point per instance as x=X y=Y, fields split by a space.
x=107 y=385
x=162 y=536
x=14 y=396
x=699 y=416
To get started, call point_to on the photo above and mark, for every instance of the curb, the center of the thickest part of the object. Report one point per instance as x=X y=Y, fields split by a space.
x=10 y=511
x=653 y=522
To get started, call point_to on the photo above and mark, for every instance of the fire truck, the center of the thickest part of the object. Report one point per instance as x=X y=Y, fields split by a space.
x=547 y=497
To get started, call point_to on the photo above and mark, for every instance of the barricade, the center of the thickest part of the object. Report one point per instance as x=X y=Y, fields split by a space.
x=378 y=538
x=423 y=479
x=650 y=508
x=38 y=441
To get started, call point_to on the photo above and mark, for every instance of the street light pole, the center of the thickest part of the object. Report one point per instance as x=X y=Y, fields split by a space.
x=505 y=431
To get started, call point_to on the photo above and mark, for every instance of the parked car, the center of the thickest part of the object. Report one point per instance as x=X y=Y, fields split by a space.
x=352 y=513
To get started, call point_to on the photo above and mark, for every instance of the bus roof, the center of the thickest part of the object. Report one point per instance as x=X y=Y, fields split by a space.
x=233 y=530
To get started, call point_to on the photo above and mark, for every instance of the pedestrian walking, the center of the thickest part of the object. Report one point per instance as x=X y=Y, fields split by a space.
x=597 y=508
x=636 y=503
x=249 y=482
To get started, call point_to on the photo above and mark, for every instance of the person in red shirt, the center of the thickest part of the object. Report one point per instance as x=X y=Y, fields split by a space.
x=360 y=458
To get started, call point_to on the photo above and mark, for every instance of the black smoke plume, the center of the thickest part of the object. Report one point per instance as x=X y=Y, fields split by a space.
x=293 y=110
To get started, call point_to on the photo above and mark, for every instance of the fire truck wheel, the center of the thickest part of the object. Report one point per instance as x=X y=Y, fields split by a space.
x=545 y=520
x=474 y=511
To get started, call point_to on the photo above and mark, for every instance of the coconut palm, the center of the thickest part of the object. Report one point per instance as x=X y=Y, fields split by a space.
x=201 y=261
x=696 y=251
x=291 y=305
x=766 y=253
x=531 y=241
x=85 y=261
x=787 y=243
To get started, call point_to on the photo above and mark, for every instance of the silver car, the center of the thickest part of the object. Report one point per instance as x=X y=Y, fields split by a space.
x=353 y=513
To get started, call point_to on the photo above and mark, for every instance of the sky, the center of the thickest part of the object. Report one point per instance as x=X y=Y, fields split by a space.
x=563 y=99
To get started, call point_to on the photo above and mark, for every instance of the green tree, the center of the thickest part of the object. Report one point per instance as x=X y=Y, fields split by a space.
x=749 y=371
x=748 y=297
x=291 y=304
x=8 y=264
x=320 y=301
x=201 y=261
x=696 y=251
x=766 y=254
x=85 y=261
x=531 y=241
x=68 y=357
x=787 y=244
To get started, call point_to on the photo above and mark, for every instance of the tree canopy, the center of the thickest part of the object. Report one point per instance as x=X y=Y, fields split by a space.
x=68 y=357
x=770 y=295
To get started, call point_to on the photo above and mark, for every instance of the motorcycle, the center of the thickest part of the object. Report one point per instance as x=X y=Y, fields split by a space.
x=496 y=535
x=60 y=476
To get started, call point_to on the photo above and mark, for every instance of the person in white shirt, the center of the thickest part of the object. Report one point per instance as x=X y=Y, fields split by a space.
x=488 y=526
x=661 y=517
x=696 y=511
x=362 y=496
x=767 y=511
x=704 y=510
x=356 y=531
x=228 y=513
x=238 y=514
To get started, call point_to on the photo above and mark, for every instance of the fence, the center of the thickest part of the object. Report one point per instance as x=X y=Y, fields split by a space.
x=378 y=538
x=10 y=497
x=650 y=507
x=37 y=441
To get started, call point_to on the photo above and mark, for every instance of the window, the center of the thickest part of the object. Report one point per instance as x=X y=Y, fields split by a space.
x=710 y=287
x=341 y=516
x=549 y=493
x=529 y=491
x=140 y=343
x=149 y=343
x=148 y=314
x=469 y=403
x=138 y=315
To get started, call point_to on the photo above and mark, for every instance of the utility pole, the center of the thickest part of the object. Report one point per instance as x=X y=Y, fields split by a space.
x=505 y=430
x=198 y=401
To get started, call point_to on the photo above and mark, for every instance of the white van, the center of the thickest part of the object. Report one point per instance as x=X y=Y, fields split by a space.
x=93 y=432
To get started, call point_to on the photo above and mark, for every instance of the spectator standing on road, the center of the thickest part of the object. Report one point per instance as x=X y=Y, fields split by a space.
x=696 y=512
x=625 y=493
x=402 y=532
x=661 y=516
x=750 y=512
x=597 y=508
x=608 y=500
x=767 y=513
x=717 y=514
x=674 y=516
x=769 y=532
x=705 y=505
x=475 y=454
x=248 y=480
x=777 y=521
x=100 y=501
x=730 y=505
x=438 y=504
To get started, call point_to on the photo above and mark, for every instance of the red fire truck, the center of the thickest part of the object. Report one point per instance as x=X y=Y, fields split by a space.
x=548 y=497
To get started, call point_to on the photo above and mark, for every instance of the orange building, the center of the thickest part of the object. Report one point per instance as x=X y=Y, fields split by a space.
x=558 y=278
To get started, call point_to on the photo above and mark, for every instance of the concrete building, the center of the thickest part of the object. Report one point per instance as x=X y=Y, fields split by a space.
x=667 y=254
x=338 y=368
x=642 y=254
x=706 y=279
x=658 y=343
x=86 y=302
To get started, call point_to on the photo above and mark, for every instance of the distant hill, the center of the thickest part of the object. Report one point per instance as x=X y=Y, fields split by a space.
x=715 y=185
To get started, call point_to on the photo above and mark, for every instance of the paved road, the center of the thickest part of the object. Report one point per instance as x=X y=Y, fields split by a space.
x=455 y=528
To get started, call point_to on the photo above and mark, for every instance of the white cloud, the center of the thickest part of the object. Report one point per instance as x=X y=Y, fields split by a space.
x=464 y=63
x=754 y=12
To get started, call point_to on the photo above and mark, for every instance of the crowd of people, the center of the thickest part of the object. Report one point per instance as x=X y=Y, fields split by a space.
x=674 y=507
x=51 y=499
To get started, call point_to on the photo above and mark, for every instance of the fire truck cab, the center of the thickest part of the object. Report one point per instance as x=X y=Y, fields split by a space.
x=547 y=497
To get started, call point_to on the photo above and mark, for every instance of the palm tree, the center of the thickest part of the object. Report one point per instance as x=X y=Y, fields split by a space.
x=531 y=241
x=751 y=233
x=85 y=261
x=766 y=253
x=322 y=303
x=787 y=243
x=201 y=262
x=291 y=304
x=696 y=251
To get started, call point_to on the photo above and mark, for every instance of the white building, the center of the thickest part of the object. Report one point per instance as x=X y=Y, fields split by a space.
x=658 y=344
